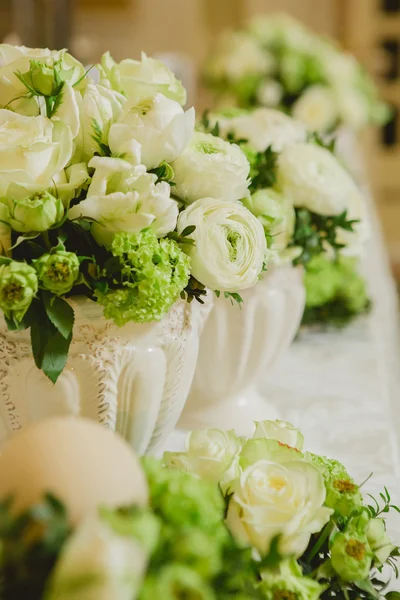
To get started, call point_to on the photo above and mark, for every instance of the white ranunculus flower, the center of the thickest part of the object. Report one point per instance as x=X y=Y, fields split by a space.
x=210 y=167
x=270 y=94
x=230 y=246
x=15 y=59
x=99 y=108
x=139 y=79
x=158 y=124
x=278 y=498
x=317 y=108
x=121 y=200
x=311 y=177
x=98 y=564
x=262 y=128
x=209 y=453
x=276 y=214
x=33 y=150
x=282 y=431
x=237 y=56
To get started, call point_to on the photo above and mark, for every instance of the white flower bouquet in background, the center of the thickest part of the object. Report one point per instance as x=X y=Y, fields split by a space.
x=277 y=62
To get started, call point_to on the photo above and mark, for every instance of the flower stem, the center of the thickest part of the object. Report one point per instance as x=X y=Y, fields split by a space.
x=326 y=532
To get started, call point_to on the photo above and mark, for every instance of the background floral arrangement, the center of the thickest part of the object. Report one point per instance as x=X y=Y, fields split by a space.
x=94 y=182
x=228 y=518
x=275 y=61
x=311 y=209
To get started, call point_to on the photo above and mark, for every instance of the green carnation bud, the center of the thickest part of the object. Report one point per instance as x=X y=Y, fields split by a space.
x=18 y=287
x=174 y=582
x=154 y=272
x=351 y=555
x=342 y=494
x=35 y=213
x=289 y=583
x=57 y=271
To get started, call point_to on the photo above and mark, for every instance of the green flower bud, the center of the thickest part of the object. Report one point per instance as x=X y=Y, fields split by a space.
x=351 y=555
x=45 y=77
x=379 y=541
x=174 y=582
x=289 y=583
x=35 y=213
x=18 y=287
x=57 y=272
x=342 y=494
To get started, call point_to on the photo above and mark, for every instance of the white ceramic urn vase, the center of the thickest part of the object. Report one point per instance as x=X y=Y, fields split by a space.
x=134 y=379
x=238 y=346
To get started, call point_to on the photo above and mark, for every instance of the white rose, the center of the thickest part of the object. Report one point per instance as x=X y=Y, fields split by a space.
x=311 y=177
x=276 y=214
x=143 y=78
x=272 y=498
x=15 y=59
x=282 y=431
x=33 y=150
x=158 y=124
x=209 y=454
x=230 y=246
x=317 y=108
x=98 y=564
x=237 y=56
x=99 y=108
x=211 y=168
x=264 y=127
x=120 y=200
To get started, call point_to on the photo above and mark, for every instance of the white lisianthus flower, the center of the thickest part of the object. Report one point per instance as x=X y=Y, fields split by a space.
x=98 y=564
x=282 y=431
x=15 y=59
x=276 y=214
x=211 y=168
x=99 y=108
x=120 y=199
x=317 y=108
x=209 y=454
x=33 y=150
x=311 y=177
x=262 y=128
x=158 y=124
x=139 y=79
x=230 y=246
x=278 y=498
x=237 y=56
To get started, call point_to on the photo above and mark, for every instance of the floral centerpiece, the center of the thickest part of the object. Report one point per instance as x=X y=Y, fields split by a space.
x=248 y=519
x=91 y=177
x=277 y=62
x=305 y=509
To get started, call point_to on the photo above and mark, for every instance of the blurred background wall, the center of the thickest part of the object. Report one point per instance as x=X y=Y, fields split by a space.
x=183 y=31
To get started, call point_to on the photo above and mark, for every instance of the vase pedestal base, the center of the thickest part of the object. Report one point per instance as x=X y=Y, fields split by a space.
x=238 y=412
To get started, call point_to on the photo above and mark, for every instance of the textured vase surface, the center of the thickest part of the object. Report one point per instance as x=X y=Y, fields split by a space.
x=238 y=347
x=134 y=379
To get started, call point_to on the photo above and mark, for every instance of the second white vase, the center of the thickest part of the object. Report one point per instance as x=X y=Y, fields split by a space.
x=239 y=345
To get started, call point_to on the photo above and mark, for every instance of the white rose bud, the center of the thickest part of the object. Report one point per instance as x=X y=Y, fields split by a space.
x=135 y=203
x=273 y=498
x=230 y=247
x=311 y=177
x=158 y=124
x=211 y=168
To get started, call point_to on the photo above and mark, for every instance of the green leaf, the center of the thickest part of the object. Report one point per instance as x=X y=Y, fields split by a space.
x=393 y=596
x=55 y=355
x=366 y=586
x=60 y=314
x=41 y=330
x=188 y=230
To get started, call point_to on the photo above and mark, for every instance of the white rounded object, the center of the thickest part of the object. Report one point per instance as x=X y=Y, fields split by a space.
x=83 y=464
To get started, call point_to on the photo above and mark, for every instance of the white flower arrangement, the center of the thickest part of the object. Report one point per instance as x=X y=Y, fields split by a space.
x=300 y=72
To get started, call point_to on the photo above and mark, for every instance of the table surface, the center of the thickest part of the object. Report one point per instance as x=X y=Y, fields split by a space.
x=343 y=389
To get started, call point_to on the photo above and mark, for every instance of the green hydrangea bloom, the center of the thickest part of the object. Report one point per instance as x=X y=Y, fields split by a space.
x=342 y=494
x=18 y=287
x=57 y=271
x=289 y=583
x=174 y=582
x=154 y=273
